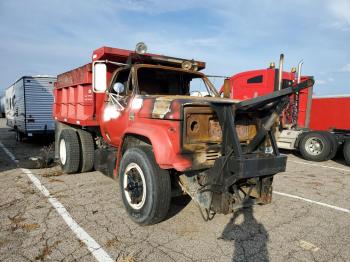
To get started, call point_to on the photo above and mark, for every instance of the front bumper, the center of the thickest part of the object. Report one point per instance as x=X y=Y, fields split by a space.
x=256 y=165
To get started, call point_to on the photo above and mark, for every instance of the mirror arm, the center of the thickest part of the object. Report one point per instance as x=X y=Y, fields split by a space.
x=103 y=62
x=108 y=62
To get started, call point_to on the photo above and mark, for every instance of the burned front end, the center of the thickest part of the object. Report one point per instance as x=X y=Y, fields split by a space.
x=233 y=150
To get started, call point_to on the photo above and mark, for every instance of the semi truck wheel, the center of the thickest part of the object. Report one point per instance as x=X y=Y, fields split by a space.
x=87 y=151
x=69 y=151
x=315 y=146
x=144 y=187
x=346 y=152
x=334 y=145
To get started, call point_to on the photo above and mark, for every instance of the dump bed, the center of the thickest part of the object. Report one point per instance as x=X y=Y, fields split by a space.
x=330 y=113
x=74 y=99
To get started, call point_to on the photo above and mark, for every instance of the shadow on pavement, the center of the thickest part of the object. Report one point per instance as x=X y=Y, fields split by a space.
x=250 y=237
x=5 y=164
x=177 y=204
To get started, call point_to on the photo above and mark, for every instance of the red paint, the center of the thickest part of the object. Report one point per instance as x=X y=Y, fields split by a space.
x=74 y=100
x=330 y=113
x=242 y=90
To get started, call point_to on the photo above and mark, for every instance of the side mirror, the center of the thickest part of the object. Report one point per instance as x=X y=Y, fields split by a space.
x=118 y=88
x=99 y=76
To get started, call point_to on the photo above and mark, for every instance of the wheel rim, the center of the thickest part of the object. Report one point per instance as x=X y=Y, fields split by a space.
x=63 y=152
x=314 y=146
x=134 y=185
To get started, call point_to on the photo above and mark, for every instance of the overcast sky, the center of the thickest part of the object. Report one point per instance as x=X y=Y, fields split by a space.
x=50 y=37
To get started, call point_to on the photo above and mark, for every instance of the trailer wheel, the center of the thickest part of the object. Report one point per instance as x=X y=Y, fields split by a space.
x=87 y=151
x=145 y=188
x=19 y=136
x=315 y=146
x=69 y=151
x=346 y=152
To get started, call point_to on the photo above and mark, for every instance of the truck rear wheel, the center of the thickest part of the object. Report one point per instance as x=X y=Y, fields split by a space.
x=144 y=187
x=69 y=151
x=315 y=146
x=87 y=151
x=346 y=152
x=334 y=145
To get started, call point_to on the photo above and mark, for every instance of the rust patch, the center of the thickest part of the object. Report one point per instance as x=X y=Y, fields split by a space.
x=215 y=129
x=202 y=135
x=246 y=132
x=161 y=107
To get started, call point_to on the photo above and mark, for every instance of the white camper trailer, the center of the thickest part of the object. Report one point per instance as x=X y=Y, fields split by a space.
x=28 y=106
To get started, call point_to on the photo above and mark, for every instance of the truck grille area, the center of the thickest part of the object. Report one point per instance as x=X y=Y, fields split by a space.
x=212 y=156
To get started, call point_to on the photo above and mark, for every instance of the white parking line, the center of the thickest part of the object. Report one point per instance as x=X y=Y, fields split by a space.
x=13 y=158
x=96 y=250
x=312 y=201
x=91 y=244
x=318 y=165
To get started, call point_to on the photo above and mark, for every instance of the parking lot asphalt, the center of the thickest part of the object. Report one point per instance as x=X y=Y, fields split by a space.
x=49 y=216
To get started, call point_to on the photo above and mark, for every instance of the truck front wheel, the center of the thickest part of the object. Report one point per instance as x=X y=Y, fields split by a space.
x=315 y=146
x=145 y=188
x=69 y=151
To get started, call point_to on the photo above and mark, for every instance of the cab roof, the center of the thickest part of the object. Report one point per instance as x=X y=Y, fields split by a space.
x=128 y=56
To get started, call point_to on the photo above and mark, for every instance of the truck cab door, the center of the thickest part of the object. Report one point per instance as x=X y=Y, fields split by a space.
x=252 y=84
x=115 y=112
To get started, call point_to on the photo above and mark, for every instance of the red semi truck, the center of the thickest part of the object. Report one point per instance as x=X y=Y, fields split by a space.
x=131 y=115
x=316 y=126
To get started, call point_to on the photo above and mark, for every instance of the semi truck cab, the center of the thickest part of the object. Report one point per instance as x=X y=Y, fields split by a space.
x=314 y=126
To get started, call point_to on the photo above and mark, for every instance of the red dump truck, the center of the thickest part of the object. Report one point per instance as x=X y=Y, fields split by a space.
x=316 y=126
x=131 y=115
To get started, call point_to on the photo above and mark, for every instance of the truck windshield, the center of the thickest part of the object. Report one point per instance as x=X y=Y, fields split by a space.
x=159 y=81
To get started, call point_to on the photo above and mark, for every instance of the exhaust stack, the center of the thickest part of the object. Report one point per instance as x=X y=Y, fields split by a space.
x=299 y=70
x=280 y=72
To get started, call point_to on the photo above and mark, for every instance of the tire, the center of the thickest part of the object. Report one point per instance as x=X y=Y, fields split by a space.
x=151 y=205
x=69 y=151
x=346 y=152
x=315 y=146
x=87 y=151
x=334 y=145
